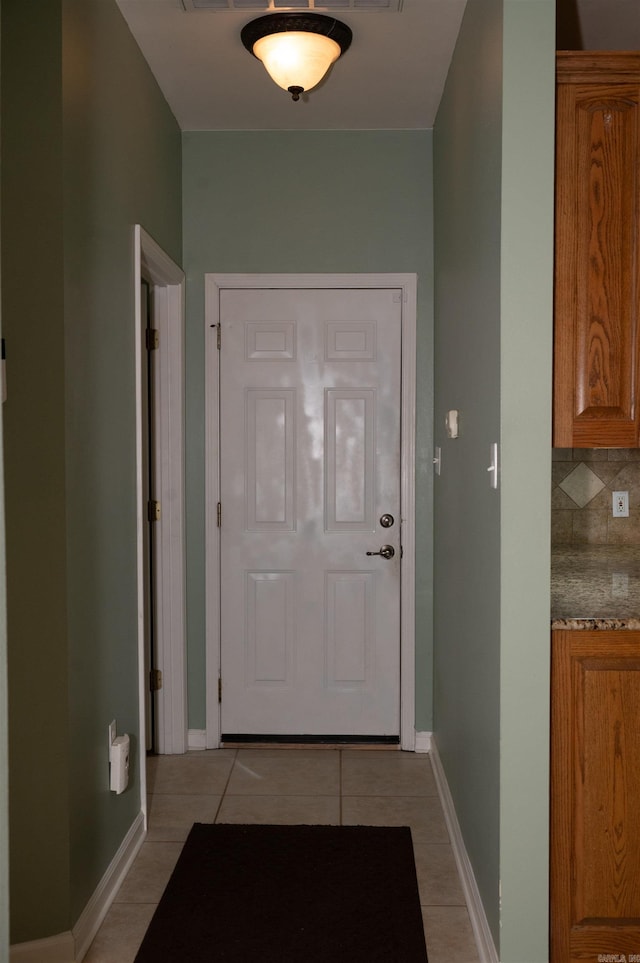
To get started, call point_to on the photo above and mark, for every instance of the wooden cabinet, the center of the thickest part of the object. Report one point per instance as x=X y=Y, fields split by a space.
x=595 y=795
x=597 y=256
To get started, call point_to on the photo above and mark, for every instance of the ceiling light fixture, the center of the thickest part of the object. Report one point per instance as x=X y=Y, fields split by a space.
x=296 y=49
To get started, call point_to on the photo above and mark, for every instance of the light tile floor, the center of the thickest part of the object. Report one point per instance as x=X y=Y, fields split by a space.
x=331 y=786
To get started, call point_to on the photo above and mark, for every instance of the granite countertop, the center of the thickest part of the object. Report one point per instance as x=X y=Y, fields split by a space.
x=595 y=587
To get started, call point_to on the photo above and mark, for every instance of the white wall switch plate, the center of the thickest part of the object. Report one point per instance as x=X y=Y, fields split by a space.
x=493 y=465
x=112 y=735
x=452 y=421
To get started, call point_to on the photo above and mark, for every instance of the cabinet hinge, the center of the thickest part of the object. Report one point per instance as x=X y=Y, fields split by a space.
x=152 y=339
x=219 y=514
x=219 y=690
x=218 y=335
x=153 y=511
x=155 y=680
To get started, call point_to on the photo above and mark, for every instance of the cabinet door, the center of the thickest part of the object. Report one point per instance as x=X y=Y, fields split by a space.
x=597 y=275
x=595 y=795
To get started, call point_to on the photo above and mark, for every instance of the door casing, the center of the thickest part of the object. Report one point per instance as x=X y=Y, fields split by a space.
x=214 y=283
x=168 y=283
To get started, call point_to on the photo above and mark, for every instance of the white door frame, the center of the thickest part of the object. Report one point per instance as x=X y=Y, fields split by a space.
x=153 y=265
x=214 y=283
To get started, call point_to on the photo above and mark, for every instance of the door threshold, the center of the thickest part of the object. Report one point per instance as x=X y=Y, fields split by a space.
x=379 y=747
x=272 y=741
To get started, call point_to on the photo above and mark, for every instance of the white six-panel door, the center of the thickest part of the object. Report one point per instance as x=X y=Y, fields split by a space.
x=310 y=431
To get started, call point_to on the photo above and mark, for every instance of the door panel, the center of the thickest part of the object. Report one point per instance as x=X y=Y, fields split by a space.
x=350 y=459
x=310 y=461
x=349 y=617
x=270 y=612
x=270 y=459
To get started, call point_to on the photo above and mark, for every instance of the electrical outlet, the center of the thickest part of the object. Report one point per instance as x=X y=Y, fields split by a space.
x=620 y=504
x=619 y=585
x=112 y=734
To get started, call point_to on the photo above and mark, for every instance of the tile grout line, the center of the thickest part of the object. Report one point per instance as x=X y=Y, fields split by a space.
x=226 y=785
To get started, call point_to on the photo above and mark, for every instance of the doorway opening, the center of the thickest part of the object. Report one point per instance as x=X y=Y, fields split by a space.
x=160 y=457
x=149 y=503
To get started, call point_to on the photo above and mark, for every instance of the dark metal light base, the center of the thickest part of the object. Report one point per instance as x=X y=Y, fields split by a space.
x=303 y=22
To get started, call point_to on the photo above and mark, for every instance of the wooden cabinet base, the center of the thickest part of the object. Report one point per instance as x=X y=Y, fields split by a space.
x=595 y=796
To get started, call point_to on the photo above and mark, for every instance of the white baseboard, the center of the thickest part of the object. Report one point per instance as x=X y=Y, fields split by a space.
x=197 y=739
x=71 y=947
x=53 y=949
x=484 y=940
x=96 y=909
x=423 y=742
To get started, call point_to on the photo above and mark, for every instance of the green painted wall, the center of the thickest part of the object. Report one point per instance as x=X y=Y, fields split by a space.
x=467 y=184
x=122 y=166
x=305 y=202
x=102 y=152
x=526 y=370
x=493 y=162
x=80 y=167
x=34 y=415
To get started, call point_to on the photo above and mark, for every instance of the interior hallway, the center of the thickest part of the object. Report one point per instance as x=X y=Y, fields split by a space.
x=316 y=786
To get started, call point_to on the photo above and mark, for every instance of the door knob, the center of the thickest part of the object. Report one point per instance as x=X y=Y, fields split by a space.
x=387 y=551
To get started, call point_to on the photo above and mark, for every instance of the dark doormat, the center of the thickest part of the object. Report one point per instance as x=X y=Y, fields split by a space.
x=291 y=894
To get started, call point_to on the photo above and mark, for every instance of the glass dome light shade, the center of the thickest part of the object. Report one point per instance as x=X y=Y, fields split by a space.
x=296 y=59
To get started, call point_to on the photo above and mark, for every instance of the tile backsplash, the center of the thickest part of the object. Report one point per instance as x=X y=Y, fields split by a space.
x=581 y=500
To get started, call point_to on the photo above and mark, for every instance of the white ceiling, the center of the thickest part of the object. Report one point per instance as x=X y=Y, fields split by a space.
x=391 y=77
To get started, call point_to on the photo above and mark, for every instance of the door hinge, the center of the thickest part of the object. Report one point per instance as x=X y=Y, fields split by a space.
x=219 y=690
x=219 y=514
x=152 y=339
x=218 y=335
x=153 y=511
x=155 y=680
